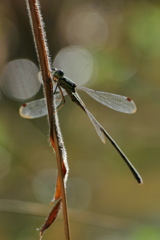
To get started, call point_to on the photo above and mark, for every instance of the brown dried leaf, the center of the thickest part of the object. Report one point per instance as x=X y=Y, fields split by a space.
x=51 y=217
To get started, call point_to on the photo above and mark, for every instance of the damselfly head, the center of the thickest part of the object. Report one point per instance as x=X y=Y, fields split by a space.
x=58 y=74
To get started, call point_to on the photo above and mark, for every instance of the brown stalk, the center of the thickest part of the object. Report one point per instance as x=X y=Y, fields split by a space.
x=55 y=132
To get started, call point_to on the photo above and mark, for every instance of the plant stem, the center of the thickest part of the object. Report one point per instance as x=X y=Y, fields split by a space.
x=55 y=132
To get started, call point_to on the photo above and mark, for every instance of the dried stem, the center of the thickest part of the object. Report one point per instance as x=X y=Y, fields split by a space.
x=55 y=133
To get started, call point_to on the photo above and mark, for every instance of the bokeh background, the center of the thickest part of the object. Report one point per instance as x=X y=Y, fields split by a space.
x=106 y=45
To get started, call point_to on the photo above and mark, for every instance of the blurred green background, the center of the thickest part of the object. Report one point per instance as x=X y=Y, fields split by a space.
x=121 y=42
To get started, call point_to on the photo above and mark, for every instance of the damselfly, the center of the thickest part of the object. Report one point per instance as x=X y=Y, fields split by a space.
x=119 y=103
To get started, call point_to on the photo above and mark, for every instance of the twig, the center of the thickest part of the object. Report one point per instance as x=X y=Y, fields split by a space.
x=78 y=216
x=55 y=133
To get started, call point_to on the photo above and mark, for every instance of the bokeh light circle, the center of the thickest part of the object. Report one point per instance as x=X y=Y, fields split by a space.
x=78 y=193
x=76 y=62
x=19 y=79
x=43 y=185
x=87 y=27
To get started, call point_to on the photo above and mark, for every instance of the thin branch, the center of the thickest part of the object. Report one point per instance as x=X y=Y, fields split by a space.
x=55 y=133
x=79 y=216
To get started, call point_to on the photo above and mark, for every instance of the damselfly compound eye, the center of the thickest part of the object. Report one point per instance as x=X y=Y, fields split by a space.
x=59 y=73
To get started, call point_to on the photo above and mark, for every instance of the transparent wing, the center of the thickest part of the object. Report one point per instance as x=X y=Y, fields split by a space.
x=34 y=109
x=37 y=108
x=114 y=101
